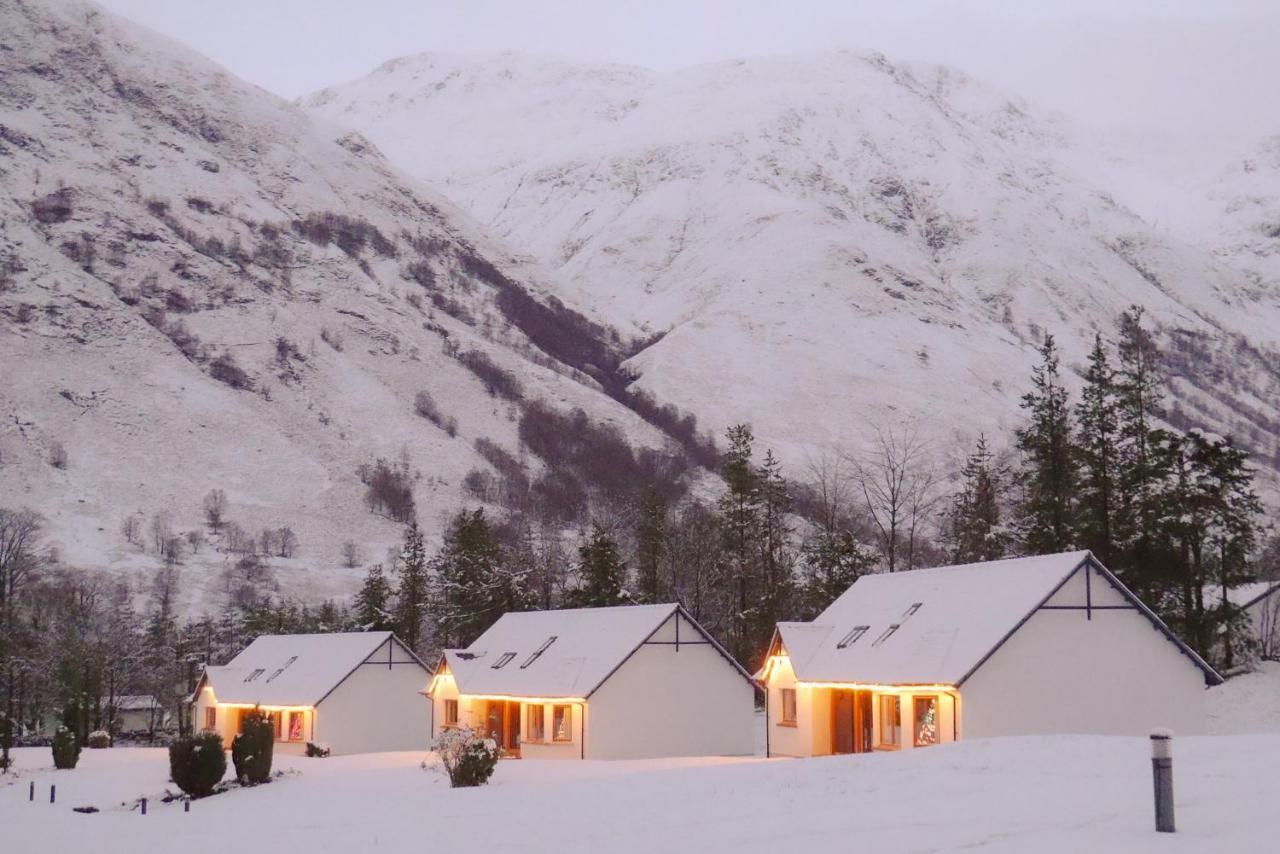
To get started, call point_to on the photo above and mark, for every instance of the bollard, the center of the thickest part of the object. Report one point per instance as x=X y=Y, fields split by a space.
x=144 y=806
x=53 y=793
x=1162 y=777
x=186 y=805
x=31 y=795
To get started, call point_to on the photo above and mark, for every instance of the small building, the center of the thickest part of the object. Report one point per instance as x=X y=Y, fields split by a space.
x=1259 y=602
x=139 y=713
x=354 y=692
x=625 y=682
x=1039 y=645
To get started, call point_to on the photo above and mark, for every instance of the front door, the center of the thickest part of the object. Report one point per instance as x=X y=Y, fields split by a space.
x=502 y=719
x=851 y=721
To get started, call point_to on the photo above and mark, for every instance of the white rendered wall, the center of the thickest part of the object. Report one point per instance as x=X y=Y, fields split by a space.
x=661 y=702
x=548 y=748
x=378 y=707
x=1114 y=674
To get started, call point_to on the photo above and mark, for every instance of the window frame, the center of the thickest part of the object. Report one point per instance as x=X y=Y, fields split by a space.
x=915 y=720
x=450 y=713
x=568 y=719
x=783 y=718
x=301 y=717
x=211 y=718
x=881 y=743
x=538 y=734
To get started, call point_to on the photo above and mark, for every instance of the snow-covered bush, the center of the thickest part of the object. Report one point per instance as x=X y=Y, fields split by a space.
x=317 y=751
x=197 y=763
x=251 y=749
x=66 y=749
x=99 y=739
x=468 y=758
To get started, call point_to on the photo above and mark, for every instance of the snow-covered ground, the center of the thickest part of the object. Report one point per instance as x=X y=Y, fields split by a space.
x=1068 y=793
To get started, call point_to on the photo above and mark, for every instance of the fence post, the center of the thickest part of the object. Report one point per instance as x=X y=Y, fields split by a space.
x=144 y=806
x=31 y=793
x=1162 y=778
x=53 y=793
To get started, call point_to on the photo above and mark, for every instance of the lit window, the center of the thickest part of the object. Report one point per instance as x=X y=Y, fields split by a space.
x=450 y=712
x=502 y=662
x=277 y=721
x=788 y=707
x=884 y=636
x=852 y=637
x=295 y=725
x=211 y=718
x=562 y=723
x=890 y=720
x=539 y=651
x=537 y=721
x=926 y=721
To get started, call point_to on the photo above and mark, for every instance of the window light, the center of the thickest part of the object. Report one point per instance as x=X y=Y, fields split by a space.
x=502 y=661
x=539 y=651
x=852 y=637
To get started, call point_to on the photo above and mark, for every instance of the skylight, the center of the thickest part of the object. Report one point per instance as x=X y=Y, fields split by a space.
x=502 y=662
x=884 y=636
x=852 y=637
x=539 y=651
x=915 y=606
x=282 y=668
x=255 y=674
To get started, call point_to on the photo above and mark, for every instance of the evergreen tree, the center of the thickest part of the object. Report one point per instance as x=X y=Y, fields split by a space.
x=1048 y=469
x=773 y=539
x=602 y=575
x=1098 y=423
x=651 y=537
x=739 y=513
x=974 y=521
x=373 y=602
x=472 y=586
x=831 y=560
x=412 y=589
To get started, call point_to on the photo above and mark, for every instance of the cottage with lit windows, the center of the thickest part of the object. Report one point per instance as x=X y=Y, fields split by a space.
x=626 y=682
x=1038 y=645
x=354 y=692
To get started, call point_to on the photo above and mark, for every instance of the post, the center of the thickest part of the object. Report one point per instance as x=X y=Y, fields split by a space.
x=31 y=794
x=1162 y=777
x=186 y=805
x=53 y=793
x=144 y=806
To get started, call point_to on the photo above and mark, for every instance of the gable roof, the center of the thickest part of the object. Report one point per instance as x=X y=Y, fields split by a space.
x=1242 y=595
x=517 y=657
x=936 y=626
x=136 y=703
x=293 y=670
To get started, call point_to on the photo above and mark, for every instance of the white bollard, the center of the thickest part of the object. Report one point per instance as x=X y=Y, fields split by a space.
x=1162 y=778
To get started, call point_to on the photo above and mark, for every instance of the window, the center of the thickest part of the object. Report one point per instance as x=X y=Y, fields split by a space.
x=501 y=662
x=211 y=717
x=539 y=651
x=255 y=674
x=788 y=716
x=852 y=637
x=884 y=636
x=537 y=723
x=282 y=668
x=295 y=725
x=562 y=723
x=915 y=606
x=890 y=720
x=450 y=712
x=277 y=721
x=925 y=721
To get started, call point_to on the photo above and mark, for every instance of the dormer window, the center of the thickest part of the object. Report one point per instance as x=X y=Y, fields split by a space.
x=539 y=651
x=852 y=637
x=503 y=660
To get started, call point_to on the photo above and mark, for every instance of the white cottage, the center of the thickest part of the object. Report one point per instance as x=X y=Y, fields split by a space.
x=355 y=692
x=1039 y=645
x=627 y=682
x=1260 y=603
x=139 y=713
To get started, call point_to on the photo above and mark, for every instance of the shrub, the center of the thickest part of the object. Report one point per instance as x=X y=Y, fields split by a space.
x=497 y=381
x=425 y=405
x=468 y=759
x=98 y=739
x=332 y=338
x=53 y=208
x=251 y=748
x=390 y=491
x=66 y=749
x=317 y=751
x=197 y=763
x=224 y=369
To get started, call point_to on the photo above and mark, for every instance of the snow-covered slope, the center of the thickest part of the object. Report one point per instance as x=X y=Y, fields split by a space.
x=157 y=213
x=821 y=241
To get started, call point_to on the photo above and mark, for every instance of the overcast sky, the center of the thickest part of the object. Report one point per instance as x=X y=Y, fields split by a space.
x=1206 y=66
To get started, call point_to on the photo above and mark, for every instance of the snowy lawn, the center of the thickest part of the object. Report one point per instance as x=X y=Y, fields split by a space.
x=1069 y=793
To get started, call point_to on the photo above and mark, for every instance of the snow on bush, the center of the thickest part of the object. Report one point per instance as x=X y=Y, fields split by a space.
x=252 y=747
x=468 y=758
x=99 y=739
x=197 y=763
x=317 y=750
x=66 y=749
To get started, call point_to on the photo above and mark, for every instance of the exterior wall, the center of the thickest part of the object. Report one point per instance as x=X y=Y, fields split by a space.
x=549 y=749
x=1264 y=617
x=136 y=720
x=227 y=717
x=378 y=707
x=1114 y=674
x=664 y=702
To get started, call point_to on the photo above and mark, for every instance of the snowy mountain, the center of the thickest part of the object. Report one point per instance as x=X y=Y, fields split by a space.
x=202 y=287
x=819 y=242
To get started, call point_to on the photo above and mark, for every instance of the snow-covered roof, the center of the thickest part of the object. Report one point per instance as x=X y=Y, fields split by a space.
x=930 y=626
x=291 y=670
x=555 y=654
x=1242 y=595
x=136 y=703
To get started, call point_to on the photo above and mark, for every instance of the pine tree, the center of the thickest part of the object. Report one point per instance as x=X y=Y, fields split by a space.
x=651 y=537
x=1048 y=469
x=373 y=602
x=773 y=539
x=1098 y=424
x=412 y=589
x=602 y=575
x=831 y=560
x=974 y=522
x=472 y=586
x=739 y=525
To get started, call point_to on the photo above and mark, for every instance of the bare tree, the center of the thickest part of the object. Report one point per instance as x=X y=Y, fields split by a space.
x=215 y=508
x=57 y=455
x=195 y=539
x=899 y=482
x=286 y=541
x=19 y=537
x=350 y=554
x=161 y=532
x=131 y=527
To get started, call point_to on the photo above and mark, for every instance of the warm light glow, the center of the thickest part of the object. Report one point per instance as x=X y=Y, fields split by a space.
x=435 y=680
x=772 y=662
x=880 y=688
x=510 y=698
x=265 y=707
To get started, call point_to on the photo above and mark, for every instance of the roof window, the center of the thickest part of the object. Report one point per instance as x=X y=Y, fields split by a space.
x=282 y=668
x=915 y=606
x=255 y=674
x=885 y=635
x=852 y=637
x=503 y=660
x=539 y=651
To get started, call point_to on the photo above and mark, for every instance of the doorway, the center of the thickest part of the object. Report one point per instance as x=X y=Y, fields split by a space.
x=502 y=720
x=851 y=721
